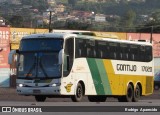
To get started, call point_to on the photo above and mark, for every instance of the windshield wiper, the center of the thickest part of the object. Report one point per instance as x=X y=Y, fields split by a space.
x=40 y=63
x=33 y=66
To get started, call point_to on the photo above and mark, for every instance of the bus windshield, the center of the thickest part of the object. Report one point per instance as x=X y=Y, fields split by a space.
x=39 y=65
x=41 y=44
x=38 y=59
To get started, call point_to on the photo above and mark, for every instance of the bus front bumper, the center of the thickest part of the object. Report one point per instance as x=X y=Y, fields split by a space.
x=38 y=90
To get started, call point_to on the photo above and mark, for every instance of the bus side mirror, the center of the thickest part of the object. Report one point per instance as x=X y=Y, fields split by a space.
x=10 y=56
x=61 y=57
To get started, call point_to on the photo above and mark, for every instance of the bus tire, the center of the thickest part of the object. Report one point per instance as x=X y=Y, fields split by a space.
x=129 y=95
x=40 y=98
x=79 y=93
x=121 y=98
x=97 y=98
x=137 y=94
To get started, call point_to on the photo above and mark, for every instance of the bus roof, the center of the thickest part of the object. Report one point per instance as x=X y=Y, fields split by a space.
x=114 y=40
x=66 y=35
x=79 y=32
x=68 y=31
x=49 y=35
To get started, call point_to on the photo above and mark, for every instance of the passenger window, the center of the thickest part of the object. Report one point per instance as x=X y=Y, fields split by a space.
x=90 y=44
x=134 y=52
x=142 y=53
x=103 y=50
x=113 y=50
x=148 y=53
x=80 y=48
x=124 y=51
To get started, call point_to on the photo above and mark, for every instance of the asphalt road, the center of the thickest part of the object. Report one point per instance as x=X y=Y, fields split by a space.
x=9 y=94
x=59 y=106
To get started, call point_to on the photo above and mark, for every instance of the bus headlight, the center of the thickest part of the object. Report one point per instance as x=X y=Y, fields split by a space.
x=21 y=85
x=54 y=84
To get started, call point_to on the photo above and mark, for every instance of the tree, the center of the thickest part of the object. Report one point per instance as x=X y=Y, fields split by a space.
x=77 y=25
x=152 y=26
x=153 y=23
x=124 y=1
x=72 y=2
x=59 y=24
x=156 y=16
x=16 y=21
x=128 y=20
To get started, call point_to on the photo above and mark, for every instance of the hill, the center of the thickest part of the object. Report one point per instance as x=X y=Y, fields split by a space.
x=119 y=13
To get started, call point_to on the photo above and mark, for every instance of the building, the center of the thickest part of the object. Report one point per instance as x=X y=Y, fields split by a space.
x=51 y=2
x=59 y=8
x=81 y=13
x=2 y=21
x=100 y=18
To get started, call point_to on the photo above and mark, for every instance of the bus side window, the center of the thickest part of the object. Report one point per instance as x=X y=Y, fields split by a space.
x=77 y=49
x=142 y=53
x=80 y=48
x=134 y=53
x=100 y=54
x=113 y=50
x=102 y=50
x=148 y=54
x=124 y=51
x=88 y=52
x=91 y=53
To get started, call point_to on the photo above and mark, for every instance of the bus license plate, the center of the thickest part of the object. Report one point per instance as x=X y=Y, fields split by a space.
x=36 y=91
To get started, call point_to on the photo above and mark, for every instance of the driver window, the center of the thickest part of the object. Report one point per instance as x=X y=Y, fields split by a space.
x=68 y=56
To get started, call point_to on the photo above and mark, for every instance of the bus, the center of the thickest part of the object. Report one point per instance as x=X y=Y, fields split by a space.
x=69 y=65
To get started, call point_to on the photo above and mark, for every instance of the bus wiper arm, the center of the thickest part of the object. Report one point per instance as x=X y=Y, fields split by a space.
x=43 y=69
x=31 y=69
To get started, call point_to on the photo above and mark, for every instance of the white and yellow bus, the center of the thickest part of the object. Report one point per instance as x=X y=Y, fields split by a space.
x=70 y=65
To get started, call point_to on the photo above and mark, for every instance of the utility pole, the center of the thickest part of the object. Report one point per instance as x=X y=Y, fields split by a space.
x=151 y=38
x=50 y=20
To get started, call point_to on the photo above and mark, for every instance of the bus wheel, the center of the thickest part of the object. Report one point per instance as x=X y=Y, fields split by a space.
x=97 y=98
x=128 y=97
x=79 y=93
x=137 y=94
x=40 y=98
